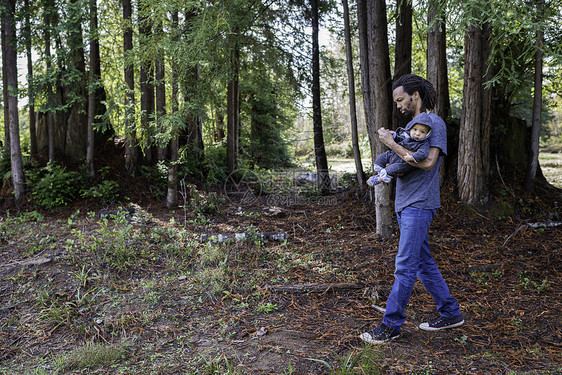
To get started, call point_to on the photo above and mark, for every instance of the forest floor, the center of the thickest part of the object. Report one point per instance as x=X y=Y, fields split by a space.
x=145 y=293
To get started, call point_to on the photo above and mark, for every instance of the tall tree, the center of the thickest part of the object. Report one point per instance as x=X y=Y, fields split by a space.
x=437 y=65
x=351 y=86
x=5 y=96
x=74 y=85
x=233 y=106
x=533 y=162
x=94 y=81
x=146 y=78
x=319 y=149
x=30 y=90
x=377 y=93
x=403 y=52
x=131 y=153
x=159 y=67
x=49 y=12
x=474 y=135
x=172 y=196
x=382 y=94
x=437 y=57
x=9 y=60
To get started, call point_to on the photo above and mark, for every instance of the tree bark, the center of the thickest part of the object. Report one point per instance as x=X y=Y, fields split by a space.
x=474 y=135
x=233 y=109
x=533 y=163
x=48 y=17
x=323 y=178
x=30 y=92
x=437 y=58
x=368 y=105
x=403 y=53
x=10 y=62
x=75 y=87
x=131 y=153
x=160 y=99
x=146 y=85
x=172 y=196
x=5 y=95
x=437 y=66
x=94 y=81
x=381 y=94
x=352 y=110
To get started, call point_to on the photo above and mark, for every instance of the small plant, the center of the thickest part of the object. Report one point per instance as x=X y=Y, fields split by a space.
x=90 y=356
x=199 y=220
x=463 y=339
x=107 y=191
x=367 y=361
x=266 y=307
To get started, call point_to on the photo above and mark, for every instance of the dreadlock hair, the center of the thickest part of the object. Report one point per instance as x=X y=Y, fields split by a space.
x=412 y=83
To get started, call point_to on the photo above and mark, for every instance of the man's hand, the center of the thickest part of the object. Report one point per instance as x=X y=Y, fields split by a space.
x=386 y=136
x=409 y=158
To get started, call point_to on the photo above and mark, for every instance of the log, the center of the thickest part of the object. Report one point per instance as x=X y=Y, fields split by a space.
x=546 y=224
x=225 y=237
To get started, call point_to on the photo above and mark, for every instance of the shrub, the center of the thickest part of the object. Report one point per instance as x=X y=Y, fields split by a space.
x=53 y=186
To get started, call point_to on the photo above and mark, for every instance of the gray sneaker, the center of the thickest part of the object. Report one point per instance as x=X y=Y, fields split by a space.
x=380 y=334
x=442 y=323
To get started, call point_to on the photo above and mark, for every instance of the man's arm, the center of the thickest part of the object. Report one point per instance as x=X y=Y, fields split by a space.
x=386 y=137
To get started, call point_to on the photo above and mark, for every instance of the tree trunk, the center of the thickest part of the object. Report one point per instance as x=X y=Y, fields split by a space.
x=437 y=58
x=131 y=153
x=146 y=86
x=323 y=178
x=474 y=135
x=403 y=53
x=533 y=162
x=5 y=95
x=160 y=98
x=233 y=109
x=172 y=196
x=48 y=17
x=352 y=109
x=437 y=66
x=381 y=94
x=368 y=104
x=94 y=81
x=10 y=62
x=30 y=92
x=75 y=88
x=160 y=105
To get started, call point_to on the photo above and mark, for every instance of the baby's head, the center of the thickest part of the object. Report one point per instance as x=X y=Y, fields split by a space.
x=419 y=131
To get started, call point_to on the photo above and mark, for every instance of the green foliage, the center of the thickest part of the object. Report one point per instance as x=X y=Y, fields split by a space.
x=159 y=175
x=90 y=356
x=5 y=164
x=215 y=164
x=367 y=361
x=107 y=191
x=53 y=186
x=119 y=243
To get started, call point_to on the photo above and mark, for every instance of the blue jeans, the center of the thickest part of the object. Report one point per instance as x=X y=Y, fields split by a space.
x=414 y=260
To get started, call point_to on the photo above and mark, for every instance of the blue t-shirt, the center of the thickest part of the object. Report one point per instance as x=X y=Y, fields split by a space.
x=420 y=188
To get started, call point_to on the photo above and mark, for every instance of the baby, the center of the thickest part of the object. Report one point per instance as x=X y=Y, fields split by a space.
x=414 y=138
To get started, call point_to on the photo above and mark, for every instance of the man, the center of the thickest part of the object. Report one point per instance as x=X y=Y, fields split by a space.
x=417 y=199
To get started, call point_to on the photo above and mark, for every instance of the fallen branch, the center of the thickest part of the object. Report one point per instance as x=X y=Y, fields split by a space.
x=545 y=224
x=225 y=237
x=314 y=288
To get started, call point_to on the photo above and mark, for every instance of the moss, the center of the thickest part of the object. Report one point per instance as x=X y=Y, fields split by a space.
x=502 y=209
